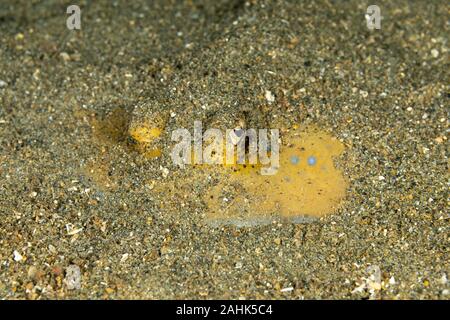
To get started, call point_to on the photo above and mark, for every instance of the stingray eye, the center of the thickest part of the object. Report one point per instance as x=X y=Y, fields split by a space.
x=238 y=132
x=236 y=135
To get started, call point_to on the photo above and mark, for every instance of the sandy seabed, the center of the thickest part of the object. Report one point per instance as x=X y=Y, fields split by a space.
x=90 y=211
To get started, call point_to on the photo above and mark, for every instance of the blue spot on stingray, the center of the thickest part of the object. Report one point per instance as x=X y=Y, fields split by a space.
x=312 y=160
x=295 y=160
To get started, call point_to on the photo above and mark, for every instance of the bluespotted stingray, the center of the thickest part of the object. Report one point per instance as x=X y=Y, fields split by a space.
x=307 y=185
